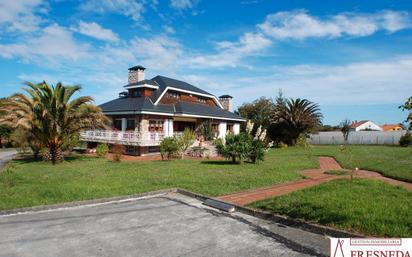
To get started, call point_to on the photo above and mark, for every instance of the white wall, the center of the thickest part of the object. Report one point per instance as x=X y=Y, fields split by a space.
x=368 y=126
x=357 y=138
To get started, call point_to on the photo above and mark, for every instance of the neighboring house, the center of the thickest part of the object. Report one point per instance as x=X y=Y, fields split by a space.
x=392 y=127
x=365 y=125
x=152 y=109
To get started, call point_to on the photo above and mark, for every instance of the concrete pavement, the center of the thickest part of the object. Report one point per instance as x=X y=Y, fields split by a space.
x=165 y=225
x=6 y=156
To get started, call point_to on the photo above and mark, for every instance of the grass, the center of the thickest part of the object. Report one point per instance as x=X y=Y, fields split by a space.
x=28 y=183
x=366 y=206
x=337 y=172
x=390 y=161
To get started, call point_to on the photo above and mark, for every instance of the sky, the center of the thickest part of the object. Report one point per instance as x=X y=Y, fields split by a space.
x=353 y=58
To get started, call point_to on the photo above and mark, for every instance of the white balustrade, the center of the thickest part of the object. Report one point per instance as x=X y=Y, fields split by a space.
x=124 y=138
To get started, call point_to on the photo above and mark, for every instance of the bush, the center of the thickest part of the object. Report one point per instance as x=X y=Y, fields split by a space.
x=257 y=151
x=170 y=148
x=186 y=140
x=117 y=151
x=406 y=140
x=236 y=147
x=102 y=150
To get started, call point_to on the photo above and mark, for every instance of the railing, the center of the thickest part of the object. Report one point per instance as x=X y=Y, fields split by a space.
x=124 y=138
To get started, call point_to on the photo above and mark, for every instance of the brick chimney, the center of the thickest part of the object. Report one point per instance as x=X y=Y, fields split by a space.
x=136 y=74
x=227 y=102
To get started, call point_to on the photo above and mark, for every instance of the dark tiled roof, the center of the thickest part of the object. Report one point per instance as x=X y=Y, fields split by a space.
x=164 y=82
x=128 y=104
x=140 y=104
x=134 y=105
x=225 y=96
x=204 y=110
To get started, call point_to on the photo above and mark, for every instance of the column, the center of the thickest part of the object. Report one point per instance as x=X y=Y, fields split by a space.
x=222 y=130
x=170 y=127
x=124 y=124
x=166 y=128
x=236 y=128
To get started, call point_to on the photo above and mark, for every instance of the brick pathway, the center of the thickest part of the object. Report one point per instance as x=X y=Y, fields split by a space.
x=314 y=177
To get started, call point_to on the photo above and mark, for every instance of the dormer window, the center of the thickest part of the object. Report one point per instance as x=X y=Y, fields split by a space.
x=173 y=95
x=137 y=93
x=201 y=99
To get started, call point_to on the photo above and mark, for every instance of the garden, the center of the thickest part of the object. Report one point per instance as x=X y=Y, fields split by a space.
x=270 y=150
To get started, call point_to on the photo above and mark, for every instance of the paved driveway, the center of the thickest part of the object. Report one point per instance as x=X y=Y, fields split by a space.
x=6 y=156
x=168 y=225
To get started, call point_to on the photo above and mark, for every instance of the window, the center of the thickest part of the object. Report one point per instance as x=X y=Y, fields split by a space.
x=173 y=95
x=201 y=99
x=117 y=124
x=131 y=124
x=137 y=93
x=156 y=125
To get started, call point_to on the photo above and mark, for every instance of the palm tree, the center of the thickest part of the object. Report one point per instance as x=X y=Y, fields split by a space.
x=50 y=115
x=295 y=117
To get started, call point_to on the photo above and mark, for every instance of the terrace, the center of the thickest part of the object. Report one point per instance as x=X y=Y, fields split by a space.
x=125 y=137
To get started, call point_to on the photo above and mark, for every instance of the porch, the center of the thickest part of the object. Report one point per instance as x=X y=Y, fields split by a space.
x=131 y=138
x=150 y=130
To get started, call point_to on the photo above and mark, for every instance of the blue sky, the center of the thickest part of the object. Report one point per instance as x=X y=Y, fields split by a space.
x=354 y=58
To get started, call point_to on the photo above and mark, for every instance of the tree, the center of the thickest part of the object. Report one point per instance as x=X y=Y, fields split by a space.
x=259 y=112
x=5 y=132
x=51 y=116
x=407 y=106
x=294 y=117
x=345 y=127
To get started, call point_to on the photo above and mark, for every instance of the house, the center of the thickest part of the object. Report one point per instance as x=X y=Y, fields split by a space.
x=365 y=125
x=392 y=127
x=152 y=109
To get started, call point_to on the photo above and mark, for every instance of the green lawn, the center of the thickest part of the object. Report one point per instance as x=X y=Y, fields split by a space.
x=365 y=206
x=37 y=183
x=391 y=161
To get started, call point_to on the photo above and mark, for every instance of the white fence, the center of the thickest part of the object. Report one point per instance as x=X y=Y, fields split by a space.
x=357 y=138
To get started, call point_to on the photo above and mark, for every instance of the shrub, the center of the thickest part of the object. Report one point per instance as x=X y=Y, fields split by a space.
x=102 y=150
x=236 y=147
x=257 y=151
x=170 y=148
x=186 y=140
x=406 y=140
x=117 y=151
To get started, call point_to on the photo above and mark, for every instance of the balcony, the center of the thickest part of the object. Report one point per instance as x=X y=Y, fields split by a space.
x=124 y=138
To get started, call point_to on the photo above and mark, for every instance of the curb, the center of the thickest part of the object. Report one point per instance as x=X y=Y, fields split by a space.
x=284 y=220
x=86 y=202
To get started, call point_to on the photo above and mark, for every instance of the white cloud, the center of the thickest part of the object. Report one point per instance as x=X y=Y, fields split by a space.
x=21 y=15
x=129 y=8
x=301 y=25
x=54 y=45
x=230 y=54
x=159 y=52
x=182 y=4
x=352 y=84
x=169 y=29
x=94 y=30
